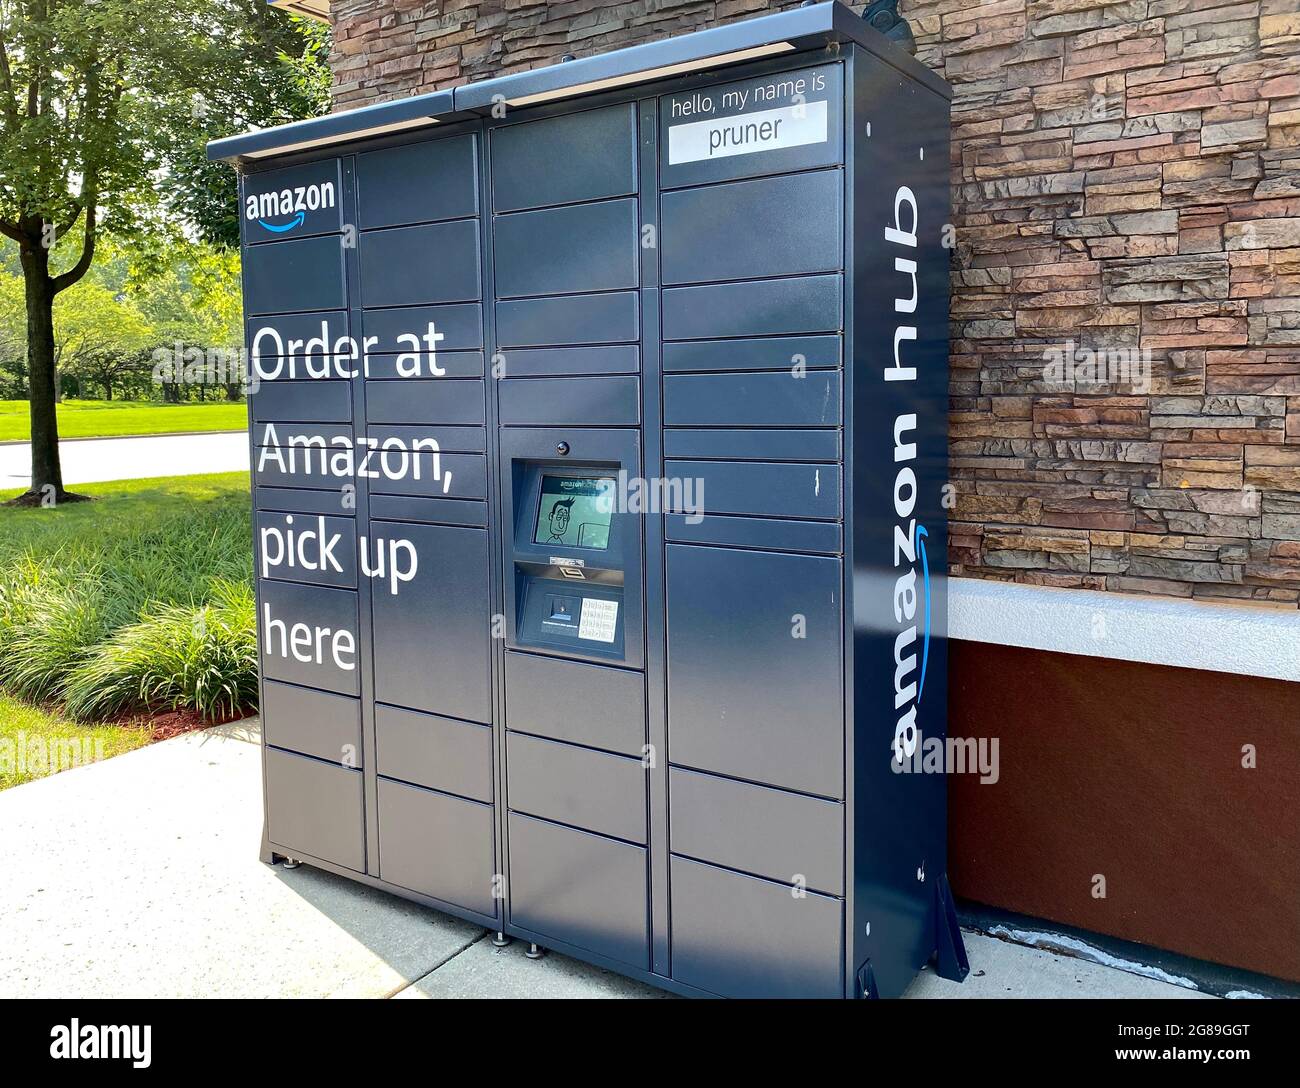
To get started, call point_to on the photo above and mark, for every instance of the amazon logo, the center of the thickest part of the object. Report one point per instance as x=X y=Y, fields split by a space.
x=280 y=211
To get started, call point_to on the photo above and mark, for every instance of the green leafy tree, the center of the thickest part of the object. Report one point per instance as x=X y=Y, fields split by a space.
x=97 y=100
x=275 y=69
x=13 y=337
x=99 y=336
x=195 y=301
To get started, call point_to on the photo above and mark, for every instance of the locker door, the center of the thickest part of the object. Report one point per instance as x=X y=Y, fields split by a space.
x=766 y=706
x=432 y=637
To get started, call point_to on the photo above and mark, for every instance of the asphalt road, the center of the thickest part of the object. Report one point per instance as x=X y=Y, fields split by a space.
x=92 y=460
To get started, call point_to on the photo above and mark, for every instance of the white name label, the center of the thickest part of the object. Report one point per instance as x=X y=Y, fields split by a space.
x=748 y=133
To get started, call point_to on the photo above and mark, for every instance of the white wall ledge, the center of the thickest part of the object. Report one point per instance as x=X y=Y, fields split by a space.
x=1248 y=640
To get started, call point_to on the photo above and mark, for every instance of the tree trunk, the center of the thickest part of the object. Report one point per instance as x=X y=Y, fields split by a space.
x=47 y=473
x=108 y=390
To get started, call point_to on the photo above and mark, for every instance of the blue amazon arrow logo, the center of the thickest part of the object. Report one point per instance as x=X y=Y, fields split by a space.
x=282 y=228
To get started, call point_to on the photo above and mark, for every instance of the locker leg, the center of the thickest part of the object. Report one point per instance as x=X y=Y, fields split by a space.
x=500 y=940
x=292 y=863
x=952 y=962
x=535 y=952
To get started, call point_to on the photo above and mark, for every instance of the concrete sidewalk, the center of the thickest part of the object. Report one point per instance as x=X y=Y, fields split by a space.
x=138 y=877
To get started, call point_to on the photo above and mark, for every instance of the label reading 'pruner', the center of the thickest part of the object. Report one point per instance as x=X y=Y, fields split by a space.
x=747 y=133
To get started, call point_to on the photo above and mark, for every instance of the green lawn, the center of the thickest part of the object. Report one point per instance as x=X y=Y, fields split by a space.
x=124 y=509
x=137 y=602
x=103 y=418
x=36 y=742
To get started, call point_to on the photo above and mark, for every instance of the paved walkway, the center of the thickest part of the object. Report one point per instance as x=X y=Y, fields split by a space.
x=138 y=877
x=92 y=460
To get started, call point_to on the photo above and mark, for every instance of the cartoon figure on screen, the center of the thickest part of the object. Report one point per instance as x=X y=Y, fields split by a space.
x=559 y=520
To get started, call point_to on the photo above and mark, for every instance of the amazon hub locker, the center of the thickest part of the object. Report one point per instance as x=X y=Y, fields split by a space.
x=599 y=452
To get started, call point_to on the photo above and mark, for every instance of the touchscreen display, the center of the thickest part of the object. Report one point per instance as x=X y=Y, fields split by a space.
x=575 y=511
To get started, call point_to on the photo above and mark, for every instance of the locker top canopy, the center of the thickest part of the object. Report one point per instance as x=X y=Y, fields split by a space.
x=819 y=26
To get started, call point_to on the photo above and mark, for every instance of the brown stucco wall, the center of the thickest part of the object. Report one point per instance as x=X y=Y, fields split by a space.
x=1126 y=175
x=1133 y=773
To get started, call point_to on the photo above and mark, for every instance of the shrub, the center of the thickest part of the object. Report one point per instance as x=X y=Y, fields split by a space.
x=140 y=602
x=47 y=624
x=201 y=658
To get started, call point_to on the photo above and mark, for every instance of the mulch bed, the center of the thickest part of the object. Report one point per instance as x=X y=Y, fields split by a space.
x=166 y=724
x=173 y=723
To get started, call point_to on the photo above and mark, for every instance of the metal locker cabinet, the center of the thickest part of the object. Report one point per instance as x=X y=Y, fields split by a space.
x=768 y=353
x=270 y=341
x=568 y=250
x=822 y=91
x=580 y=402
x=655 y=308
x=457 y=401
x=704 y=237
x=330 y=549
x=598 y=147
x=575 y=319
x=460 y=325
x=771 y=833
x=325 y=401
x=739 y=936
x=748 y=444
x=576 y=786
x=586 y=890
x=536 y=688
x=433 y=475
x=752 y=399
x=567 y=362
x=792 y=306
x=272 y=207
x=768 y=490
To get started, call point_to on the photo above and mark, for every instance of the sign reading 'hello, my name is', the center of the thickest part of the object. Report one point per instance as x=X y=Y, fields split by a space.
x=795 y=114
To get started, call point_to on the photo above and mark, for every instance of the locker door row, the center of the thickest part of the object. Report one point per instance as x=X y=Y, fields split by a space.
x=566 y=254
x=752 y=263
x=305 y=535
x=421 y=309
x=369 y=434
